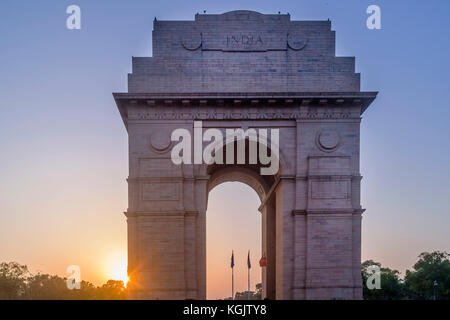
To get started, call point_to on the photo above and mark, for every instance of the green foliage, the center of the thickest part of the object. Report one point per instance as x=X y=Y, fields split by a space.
x=47 y=287
x=12 y=280
x=418 y=283
x=254 y=295
x=16 y=282
x=392 y=287
x=112 y=290
x=431 y=267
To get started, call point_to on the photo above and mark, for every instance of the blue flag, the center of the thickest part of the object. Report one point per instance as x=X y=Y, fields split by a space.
x=232 y=259
x=249 y=265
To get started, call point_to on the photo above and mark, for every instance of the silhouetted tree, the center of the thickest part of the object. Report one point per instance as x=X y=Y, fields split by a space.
x=392 y=288
x=16 y=282
x=12 y=280
x=431 y=267
x=112 y=290
x=254 y=295
x=48 y=287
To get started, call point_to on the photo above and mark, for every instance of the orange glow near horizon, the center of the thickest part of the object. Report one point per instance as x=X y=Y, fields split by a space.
x=116 y=267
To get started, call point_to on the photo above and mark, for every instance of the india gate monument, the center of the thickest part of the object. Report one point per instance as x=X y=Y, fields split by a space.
x=246 y=70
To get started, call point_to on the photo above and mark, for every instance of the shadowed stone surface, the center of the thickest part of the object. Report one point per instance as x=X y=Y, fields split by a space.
x=243 y=51
x=243 y=69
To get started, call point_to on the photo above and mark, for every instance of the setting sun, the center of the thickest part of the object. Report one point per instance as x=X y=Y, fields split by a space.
x=116 y=267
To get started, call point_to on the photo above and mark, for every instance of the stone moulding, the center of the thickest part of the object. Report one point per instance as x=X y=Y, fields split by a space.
x=333 y=105
x=173 y=213
x=344 y=211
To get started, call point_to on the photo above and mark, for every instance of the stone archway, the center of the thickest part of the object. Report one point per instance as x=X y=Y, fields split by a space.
x=287 y=78
x=239 y=174
x=264 y=187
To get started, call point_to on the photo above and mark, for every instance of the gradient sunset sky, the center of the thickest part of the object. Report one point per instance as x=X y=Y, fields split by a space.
x=64 y=153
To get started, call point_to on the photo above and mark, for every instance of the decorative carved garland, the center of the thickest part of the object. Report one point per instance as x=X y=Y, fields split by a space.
x=328 y=113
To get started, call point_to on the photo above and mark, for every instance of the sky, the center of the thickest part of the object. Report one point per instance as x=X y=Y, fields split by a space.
x=63 y=145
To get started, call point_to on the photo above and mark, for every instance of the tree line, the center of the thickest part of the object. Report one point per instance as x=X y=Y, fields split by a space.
x=18 y=283
x=428 y=279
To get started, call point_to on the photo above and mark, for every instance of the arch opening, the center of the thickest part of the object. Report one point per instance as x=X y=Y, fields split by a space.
x=248 y=176
x=233 y=224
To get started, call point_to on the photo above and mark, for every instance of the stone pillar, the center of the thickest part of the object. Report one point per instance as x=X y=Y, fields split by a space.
x=190 y=254
x=357 y=277
x=159 y=226
x=268 y=212
x=201 y=200
x=327 y=213
x=329 y=256
x=284 y=225
x=200 y=246
x=300 y=234
x=133 y=258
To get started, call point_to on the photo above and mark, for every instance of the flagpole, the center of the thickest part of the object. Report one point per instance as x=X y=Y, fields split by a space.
x=248 y=273
x=232 y=283
x=248 y=284
x=263 y=264
x=232 y=275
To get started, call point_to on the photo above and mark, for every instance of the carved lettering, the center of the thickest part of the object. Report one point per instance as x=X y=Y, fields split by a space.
x=244 y=40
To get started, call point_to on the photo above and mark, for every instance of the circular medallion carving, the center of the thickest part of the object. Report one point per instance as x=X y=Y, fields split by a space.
x=192 y=41
x=160 y=141
x=328 y=140
x=297 y=41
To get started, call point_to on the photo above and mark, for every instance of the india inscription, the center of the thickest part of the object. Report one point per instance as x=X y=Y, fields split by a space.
x=244 y=41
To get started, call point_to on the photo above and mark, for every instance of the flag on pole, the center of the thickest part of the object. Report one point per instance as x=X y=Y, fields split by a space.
x=232 y=259
x=249 y=265
x=262 y=261
x=262 y=264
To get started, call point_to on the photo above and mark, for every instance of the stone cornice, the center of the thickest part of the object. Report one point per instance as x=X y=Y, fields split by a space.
x=248 y=96
x=316 y=105
x=175 y=213
x=344 y=211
